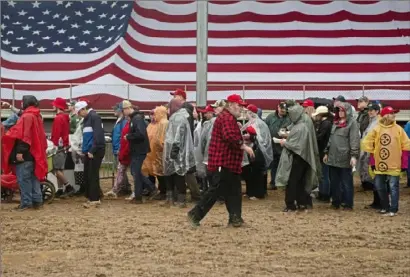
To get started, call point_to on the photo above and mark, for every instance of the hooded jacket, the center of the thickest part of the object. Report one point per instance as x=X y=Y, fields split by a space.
x=61 y=130
x=386 y=142
x=27 y=137
x=124 y=151
x=137 y=136
x=147 y=165
x=302 y=142
x=158 y=140
x=344 y=141
x=116 y=134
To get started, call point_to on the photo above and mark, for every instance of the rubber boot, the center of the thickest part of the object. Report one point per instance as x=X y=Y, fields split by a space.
x=181 y=201
x=168 y=201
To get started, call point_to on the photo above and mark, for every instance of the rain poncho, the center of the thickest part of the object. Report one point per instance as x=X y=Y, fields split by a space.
x=147 y=166
x=363 y=164
x=179 y=147
x=263 y=136
x=200 y=166
x=301 y=141
x=158 y=140
x=206 y=134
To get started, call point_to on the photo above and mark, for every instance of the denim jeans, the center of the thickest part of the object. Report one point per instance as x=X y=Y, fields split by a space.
x=324 y=185
x=341 y=186
x=381 y=188
x=140 y=181
x=30 y=189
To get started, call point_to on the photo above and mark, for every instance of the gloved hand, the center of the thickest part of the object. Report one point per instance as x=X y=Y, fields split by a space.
x=174 y=152
x=373 y=167
x=353 y=162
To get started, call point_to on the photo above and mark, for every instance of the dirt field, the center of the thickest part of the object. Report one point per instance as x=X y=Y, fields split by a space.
x=121 y=239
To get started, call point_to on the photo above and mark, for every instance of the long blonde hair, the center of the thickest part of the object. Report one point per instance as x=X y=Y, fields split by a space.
x=388 y=119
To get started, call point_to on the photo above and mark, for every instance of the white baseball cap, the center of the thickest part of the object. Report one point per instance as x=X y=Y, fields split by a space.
x=321 y=110
x=79 y=106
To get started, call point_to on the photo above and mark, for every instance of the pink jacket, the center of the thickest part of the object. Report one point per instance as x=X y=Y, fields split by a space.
x=404 y=160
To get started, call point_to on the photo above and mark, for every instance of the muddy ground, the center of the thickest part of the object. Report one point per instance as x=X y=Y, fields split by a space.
x=120 y=239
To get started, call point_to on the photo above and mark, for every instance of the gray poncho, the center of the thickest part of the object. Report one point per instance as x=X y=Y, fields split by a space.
x=301 y=141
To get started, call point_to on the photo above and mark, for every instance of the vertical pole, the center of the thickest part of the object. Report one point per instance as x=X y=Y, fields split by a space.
x=201 y=52
x=13 y=91
x=128 y=92
x=363 y=90
x=304 y=92
x=243 y=92
x=71 y=92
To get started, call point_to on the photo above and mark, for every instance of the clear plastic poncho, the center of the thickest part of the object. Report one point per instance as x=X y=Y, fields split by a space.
x=262 y=135
x=178 y=153
x=200 y=166
x=204 y=141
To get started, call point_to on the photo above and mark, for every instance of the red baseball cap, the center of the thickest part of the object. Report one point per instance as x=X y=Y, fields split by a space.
x=388 y=110
x=250 y=130
x=59 y=103
x=235 y=98
x=308 y=103
x=208 y=109
x=179 y=92
x=252 y=108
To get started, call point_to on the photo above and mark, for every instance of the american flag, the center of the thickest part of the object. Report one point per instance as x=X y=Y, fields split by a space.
x=258 y=44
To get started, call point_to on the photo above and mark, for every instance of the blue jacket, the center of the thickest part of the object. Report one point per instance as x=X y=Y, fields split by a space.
x=407 y=129
x=116 y=135
x=93 y=133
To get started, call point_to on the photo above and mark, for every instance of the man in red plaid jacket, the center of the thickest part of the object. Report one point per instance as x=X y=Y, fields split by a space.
x=225 y=156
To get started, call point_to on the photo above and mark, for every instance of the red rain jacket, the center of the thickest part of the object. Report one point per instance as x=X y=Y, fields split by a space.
x=124 y=154
x=29 y=129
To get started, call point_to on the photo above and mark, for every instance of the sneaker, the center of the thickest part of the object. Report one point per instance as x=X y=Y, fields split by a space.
x=152 y=194
x=38 y=206
x=235 y=221
x=181 y=205
x=160 y=197
x=21 y=208
x=59 y=192
x=382 y=211
x=69 y=191
x=288 y=210
x=131 y=197
x=192 y=220
x=110 y=194
x=391 y=214
x=90 y=204
x=137 y=200
x=253 y=198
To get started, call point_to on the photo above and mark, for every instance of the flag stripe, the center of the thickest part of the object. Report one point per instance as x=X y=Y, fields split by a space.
x=153 y=43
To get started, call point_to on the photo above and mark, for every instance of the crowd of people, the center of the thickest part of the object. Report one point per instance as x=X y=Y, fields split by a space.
x=305 y=146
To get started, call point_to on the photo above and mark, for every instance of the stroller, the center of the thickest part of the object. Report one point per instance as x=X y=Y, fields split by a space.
x=9 y=184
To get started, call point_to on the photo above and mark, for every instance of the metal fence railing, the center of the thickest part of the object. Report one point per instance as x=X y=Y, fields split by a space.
x=107 y=170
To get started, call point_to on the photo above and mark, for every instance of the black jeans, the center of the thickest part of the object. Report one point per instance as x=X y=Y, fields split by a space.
x=273 y=169
x=140 y=181
x=162 y=184
x=254 y=179
x=226 y=184
x=92 y=175
x=295 y=190
x=177 y=182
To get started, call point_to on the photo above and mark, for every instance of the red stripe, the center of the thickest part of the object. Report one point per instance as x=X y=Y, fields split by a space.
x=287 y=17
x=101 y=102
x=364 y=2
x=272 y=50
x=269 y=68
x=63 y=66
x=271 y=34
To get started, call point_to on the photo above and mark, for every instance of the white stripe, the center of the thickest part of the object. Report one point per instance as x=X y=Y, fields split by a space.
x=250 y=77
x=343 y=25
x=273 y=59
x=149 y=95
x=237 y=42
x=88 y=129
x=59 y=58
x=50 y=76
x=279 y=8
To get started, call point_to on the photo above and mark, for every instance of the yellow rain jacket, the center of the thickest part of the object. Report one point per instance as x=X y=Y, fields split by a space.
x=158 y=140
x=386 y=142
x=147 y=166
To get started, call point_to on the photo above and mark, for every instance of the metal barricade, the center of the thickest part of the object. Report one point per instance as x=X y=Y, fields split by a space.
x=107 y=170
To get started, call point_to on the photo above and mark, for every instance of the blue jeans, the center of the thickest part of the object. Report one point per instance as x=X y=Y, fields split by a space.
x=324 y=185
x=140 y=181
x=341 y=186
x=381 y=188
x=30 y=189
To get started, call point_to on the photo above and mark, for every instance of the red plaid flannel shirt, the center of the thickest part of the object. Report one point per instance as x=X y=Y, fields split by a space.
x=225 y=146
